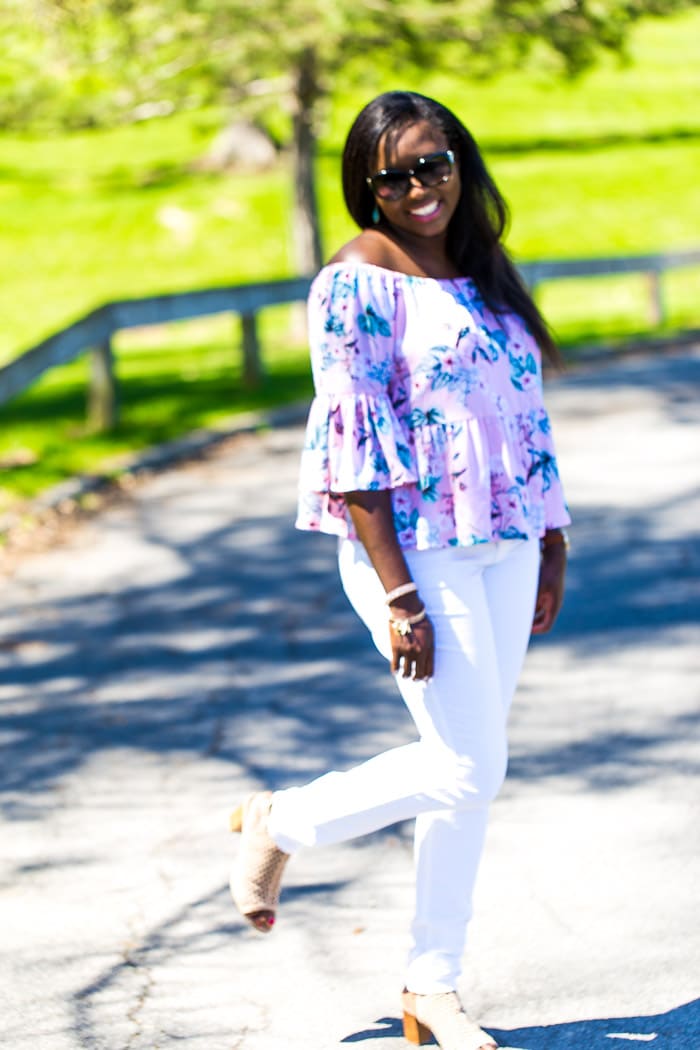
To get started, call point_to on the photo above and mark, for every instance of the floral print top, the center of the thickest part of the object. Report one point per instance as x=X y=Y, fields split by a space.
x=422 y=390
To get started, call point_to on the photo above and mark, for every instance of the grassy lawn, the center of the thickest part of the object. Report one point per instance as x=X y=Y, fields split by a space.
x=82 y=226
x=169 y=386
x=603 y=165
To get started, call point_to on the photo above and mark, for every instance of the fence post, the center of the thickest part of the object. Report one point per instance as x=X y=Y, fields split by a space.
x=252 y=365
x=102 y=394
x=658 y=306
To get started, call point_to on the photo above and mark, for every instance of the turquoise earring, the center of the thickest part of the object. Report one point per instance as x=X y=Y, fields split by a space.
x=375 y=215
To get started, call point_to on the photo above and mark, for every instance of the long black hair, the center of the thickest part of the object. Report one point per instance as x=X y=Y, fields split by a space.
x=475 y=230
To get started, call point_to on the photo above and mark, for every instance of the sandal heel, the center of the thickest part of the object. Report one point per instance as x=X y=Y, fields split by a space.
x=442 y=1018
x=414 y=1031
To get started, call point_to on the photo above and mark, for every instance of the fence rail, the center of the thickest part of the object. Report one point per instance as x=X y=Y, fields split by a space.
x=93 y=333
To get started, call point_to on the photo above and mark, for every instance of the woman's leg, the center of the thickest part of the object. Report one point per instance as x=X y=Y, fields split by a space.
x=450 y=775
x=440 y=770
x=486 y=618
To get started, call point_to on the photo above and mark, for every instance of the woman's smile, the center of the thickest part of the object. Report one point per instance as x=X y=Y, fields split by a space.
x=426 y=212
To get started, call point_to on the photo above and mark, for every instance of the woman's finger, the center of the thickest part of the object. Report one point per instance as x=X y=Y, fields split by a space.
x=544 y=613
x=408 y=663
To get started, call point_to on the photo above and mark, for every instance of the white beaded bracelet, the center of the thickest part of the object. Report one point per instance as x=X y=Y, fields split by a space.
x=403 y=626
x=398 y=592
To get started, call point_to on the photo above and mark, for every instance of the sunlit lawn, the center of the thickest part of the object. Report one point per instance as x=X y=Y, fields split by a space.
x=163 y=394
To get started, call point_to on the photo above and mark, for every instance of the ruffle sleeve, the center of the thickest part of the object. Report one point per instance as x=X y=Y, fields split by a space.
x=354 y=438
x=354 y=442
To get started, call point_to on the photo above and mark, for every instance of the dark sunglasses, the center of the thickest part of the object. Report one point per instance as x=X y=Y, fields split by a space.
x=391 y=184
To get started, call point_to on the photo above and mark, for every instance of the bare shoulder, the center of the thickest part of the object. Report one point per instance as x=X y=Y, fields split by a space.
x=370 y=246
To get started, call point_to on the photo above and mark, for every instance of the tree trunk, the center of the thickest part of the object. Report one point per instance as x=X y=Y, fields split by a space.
x=307 y=233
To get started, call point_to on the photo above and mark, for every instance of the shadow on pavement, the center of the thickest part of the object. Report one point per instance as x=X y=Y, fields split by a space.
x=254 y=632
x=624 y=576
x=675 y=385
x=672 y=1030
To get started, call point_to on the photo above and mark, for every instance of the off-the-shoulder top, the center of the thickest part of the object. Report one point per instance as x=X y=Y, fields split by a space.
x=420 y=389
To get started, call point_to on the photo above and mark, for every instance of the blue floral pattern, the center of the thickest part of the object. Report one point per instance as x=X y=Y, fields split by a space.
x=420 y=389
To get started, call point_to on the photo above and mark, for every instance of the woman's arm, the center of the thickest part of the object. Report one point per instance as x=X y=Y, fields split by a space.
x=372 y=516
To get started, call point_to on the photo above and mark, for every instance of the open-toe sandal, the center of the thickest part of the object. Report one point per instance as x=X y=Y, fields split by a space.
x=256 y=875
x=442 y=1016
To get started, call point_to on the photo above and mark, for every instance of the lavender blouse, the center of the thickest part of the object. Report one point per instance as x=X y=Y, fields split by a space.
x=422 y=390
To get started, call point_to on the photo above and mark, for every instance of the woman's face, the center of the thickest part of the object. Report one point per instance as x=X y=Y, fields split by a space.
x=425 y=211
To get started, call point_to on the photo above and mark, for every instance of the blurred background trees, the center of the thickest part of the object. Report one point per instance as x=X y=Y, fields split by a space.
x=82 y=63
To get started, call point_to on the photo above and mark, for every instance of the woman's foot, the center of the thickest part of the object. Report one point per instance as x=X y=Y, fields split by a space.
x=256 y=874
x=442 y=1016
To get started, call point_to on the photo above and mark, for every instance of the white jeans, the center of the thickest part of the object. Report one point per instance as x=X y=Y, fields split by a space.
x=481 y=602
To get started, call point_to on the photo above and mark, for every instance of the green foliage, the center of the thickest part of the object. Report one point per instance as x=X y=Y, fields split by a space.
x=85 y=62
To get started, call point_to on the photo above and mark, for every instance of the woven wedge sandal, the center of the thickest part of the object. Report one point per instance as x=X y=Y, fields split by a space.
x=256 y=874
x=441 y=1016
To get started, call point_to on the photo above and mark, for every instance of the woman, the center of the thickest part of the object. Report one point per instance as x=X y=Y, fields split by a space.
x=429 y=454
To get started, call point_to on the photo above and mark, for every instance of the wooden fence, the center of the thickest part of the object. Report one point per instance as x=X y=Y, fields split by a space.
x=94 y=333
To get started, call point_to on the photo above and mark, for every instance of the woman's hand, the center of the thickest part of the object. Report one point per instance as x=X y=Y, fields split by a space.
x=550 y=590
x=412 y=654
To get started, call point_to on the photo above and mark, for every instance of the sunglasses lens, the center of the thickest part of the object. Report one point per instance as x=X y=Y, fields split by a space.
x=390 y=185
x=434 y=171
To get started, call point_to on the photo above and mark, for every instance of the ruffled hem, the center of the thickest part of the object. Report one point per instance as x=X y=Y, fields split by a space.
x=354 y=442
x=467 y=482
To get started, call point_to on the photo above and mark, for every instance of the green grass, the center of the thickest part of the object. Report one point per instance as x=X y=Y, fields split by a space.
x=179 y=380
x=606 y=164
x=621 y=310
x=89 y=229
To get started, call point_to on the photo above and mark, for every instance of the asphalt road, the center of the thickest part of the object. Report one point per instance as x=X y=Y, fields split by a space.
x=187 y=645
